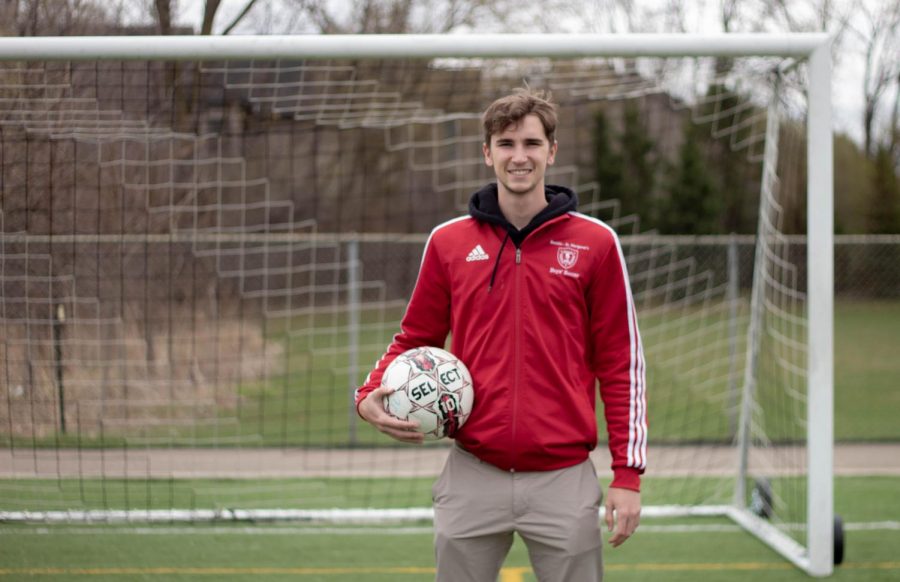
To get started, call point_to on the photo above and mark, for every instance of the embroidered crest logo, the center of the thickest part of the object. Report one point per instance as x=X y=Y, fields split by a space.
x=566 y=257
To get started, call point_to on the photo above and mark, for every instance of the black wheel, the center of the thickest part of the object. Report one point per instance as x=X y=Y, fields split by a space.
x=761 y=502
x=838 y=540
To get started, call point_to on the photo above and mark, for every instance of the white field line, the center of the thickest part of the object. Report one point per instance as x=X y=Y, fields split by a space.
x=391 y=530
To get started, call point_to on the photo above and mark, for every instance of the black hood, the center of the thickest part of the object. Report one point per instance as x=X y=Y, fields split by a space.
x=484 y=206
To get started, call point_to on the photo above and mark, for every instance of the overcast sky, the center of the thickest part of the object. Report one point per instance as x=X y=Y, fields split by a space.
x=274 y=17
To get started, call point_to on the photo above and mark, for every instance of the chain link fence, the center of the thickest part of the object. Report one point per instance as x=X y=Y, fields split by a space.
x=866 y=267
x=159 y=337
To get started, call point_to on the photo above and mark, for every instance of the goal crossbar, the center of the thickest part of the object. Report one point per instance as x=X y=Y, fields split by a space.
x=423 y=46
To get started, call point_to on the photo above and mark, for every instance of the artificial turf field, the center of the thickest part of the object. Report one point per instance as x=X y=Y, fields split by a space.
x=668 y=550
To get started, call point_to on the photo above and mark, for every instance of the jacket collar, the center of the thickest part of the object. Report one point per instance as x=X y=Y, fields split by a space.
x=485 y=206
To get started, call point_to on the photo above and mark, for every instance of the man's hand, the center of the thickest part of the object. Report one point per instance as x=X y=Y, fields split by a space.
x=372 y=411
x=623 y=510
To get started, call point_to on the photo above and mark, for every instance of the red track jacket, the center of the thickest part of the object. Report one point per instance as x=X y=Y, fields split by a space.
x=536 y=322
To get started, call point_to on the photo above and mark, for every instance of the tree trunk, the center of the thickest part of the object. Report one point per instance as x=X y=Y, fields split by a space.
x=209 y=15
x=164 y=16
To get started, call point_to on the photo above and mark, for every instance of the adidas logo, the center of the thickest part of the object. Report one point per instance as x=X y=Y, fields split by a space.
x=477 y=254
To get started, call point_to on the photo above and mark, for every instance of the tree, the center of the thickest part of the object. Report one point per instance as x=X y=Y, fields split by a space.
x=735 y=178
x=878 y=29
x=694 y=204
x=639 y=171
x=853 y=179
x=55 y=18
x=163 y=14
x=397 y=16
x=336 y=16
x=624 y=163
x=884 y=211
x=608 y=162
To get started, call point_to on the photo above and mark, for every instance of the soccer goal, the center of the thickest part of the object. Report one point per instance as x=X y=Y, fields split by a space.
x=205 y=243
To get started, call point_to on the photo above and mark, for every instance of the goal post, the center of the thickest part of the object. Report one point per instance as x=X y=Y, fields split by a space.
x=260 y=264
x=820 y=204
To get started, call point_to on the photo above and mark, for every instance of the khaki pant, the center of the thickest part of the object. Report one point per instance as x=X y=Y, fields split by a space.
x=478 y=507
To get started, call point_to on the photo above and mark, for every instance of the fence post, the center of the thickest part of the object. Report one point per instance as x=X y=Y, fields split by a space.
x=59 y=317
x=353 y=309
x=733 y=297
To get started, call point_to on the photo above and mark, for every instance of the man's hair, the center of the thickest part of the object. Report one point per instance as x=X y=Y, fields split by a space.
x=511 y=109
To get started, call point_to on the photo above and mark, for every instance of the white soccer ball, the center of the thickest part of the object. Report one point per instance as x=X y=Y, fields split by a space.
x=432 y=387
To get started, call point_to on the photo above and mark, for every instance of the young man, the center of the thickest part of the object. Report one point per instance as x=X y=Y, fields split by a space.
x=537 y=299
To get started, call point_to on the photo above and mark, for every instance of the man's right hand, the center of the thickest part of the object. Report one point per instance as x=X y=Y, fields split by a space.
x=372 y=410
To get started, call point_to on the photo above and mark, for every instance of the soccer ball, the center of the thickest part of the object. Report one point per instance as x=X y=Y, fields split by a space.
x=432 y=387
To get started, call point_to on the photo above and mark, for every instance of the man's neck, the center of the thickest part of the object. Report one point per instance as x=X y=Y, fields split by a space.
x=519 y=209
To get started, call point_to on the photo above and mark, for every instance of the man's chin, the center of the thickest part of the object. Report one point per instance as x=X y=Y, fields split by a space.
x=519 y=190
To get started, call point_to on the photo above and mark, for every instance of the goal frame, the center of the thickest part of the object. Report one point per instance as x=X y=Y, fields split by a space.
x=817 y=557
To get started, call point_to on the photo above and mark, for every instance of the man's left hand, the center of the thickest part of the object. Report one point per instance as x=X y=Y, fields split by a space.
x=623 y=512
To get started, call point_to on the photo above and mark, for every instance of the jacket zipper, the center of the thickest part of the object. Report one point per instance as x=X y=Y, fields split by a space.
x=518 y=354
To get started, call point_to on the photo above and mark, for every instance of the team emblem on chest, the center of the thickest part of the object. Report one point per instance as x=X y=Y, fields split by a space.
x=567 y=257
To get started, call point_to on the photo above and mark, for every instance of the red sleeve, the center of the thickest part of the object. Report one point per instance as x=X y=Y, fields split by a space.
x=618 y=362
x=426 y=321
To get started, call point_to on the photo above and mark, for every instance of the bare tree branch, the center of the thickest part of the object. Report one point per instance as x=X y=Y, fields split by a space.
x=895 y=125
x=55 y=18
x=397 y=16
x=239 y=17
x=9 y=15
x=881 y=71
x=164 y=16
x=209 y=15
x=32 y=23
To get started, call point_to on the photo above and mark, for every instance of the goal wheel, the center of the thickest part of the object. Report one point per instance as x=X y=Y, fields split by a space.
x=761 y=498
x=838 y=540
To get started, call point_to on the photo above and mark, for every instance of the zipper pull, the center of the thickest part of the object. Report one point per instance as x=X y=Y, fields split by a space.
x=518 y=256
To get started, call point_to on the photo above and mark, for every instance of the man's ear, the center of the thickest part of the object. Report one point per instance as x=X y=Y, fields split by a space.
x=486 y=150
x=552 y=157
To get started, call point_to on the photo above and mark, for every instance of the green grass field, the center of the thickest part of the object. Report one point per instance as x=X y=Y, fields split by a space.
x=687 y=404
x=305 y=401
x=867 y=398
x=668 y=550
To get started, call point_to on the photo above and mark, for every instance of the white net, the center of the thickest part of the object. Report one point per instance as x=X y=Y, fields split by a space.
x=198 y=263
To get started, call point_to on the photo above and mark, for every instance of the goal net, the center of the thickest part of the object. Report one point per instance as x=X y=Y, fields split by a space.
x=200 y=260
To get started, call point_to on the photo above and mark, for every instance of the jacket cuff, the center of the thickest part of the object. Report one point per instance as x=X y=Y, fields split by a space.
x=626 y=478
x=360 y=396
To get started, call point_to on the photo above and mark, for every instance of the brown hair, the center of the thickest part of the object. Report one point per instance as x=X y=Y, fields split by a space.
x=513 y=108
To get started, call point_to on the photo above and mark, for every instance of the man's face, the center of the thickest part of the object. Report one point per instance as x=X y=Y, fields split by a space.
x=520 y=155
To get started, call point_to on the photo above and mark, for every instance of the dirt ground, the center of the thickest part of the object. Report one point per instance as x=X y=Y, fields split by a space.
x=253 y=463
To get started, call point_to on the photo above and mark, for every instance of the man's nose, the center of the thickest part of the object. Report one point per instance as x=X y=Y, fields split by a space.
x=519 y=155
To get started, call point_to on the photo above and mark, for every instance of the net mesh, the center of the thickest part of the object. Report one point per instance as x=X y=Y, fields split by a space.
x=198 y=263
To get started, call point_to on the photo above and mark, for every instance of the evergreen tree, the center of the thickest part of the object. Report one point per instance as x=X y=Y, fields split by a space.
x=608 y=162
x=736 y=179
x=694 y=203
x=624 y=165
x=884 y=212
x=638 y=166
